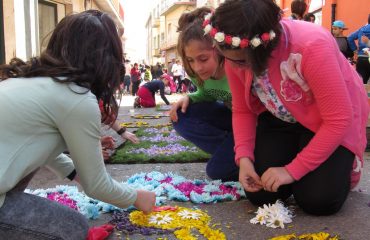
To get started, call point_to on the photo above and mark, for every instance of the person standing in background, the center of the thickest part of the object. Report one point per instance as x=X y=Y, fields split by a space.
x=362 y=63
x=337 y=29
x=135 y=79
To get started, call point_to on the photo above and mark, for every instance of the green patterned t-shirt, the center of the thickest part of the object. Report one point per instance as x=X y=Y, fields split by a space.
x=212 y=90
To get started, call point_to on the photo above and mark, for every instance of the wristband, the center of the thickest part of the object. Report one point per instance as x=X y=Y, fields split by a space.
x=72 y=175
x=121 y=130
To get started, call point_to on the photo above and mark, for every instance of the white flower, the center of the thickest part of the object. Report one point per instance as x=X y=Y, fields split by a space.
x=208 y=16
x=275 y=215
x=185 y=214
x=160 y=219
x=235 y=41
x=261 y=219
x=220 y=37
x=256 y=41
x=207 y=29
x=272 y=34
x=275 y=221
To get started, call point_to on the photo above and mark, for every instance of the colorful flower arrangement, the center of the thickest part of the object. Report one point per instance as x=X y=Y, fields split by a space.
x=236 y=41
x=158 y=145
x=71 y=197
x=180 y=220
x=167 y=186
x=308 y=236
x=140 y=124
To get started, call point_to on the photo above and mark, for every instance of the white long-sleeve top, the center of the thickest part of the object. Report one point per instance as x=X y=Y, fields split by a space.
x=39 y=119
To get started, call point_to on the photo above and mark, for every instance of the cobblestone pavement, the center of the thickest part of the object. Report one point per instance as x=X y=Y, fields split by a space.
x=351 y=223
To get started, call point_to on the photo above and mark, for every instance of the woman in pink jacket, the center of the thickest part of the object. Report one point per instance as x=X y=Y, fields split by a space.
x=299 y=108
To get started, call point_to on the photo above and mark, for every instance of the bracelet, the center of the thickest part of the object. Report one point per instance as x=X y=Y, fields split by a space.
x=121 y=130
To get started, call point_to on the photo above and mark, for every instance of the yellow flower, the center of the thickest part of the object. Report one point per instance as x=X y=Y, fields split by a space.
x=308 y=236
x=284 y=237
x=182 y=220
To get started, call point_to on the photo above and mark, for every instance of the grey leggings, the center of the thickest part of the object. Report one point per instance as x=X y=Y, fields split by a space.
x=26 y=216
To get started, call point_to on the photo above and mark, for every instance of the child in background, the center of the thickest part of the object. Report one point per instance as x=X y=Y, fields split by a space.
x=146 y=94
x=299 y=120
x=147 y=74
x=171 y=84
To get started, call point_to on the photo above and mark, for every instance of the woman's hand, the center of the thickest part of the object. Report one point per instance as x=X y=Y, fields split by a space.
x=145 y=201
x=182 y=103
x=274 y=177
x=130 y=136
x=248 y=177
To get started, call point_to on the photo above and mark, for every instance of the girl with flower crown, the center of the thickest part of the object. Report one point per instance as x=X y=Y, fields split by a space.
x=299 y=120
x=204 y=117
x=48 y=105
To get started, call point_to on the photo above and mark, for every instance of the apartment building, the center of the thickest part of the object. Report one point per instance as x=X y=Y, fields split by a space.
x=161 y=27
x=25 y=25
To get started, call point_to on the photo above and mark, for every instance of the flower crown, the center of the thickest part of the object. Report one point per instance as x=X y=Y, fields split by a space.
x=234 y=41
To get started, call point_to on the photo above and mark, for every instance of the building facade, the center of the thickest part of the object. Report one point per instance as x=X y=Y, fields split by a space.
x=161 y=27
x=153 y=30
x=26 y=24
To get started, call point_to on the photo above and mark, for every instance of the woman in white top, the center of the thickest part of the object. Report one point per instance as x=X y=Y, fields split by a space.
x=49 y=105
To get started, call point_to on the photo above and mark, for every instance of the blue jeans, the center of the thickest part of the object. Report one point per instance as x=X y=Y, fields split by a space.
x=25 y=216
x=208 y=125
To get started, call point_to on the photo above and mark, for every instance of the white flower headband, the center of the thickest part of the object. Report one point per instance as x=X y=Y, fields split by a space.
x=234 y=41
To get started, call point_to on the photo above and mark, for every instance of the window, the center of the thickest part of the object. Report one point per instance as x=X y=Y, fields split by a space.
x=47 y=21
x=169 y=32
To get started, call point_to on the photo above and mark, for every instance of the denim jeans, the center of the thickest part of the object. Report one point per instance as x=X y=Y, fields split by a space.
x=208 y=125
x=28 y=217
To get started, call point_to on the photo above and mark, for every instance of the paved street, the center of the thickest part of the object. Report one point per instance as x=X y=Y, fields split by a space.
x=351 y=223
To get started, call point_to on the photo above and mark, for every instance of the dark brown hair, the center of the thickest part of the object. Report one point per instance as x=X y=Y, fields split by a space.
x=190 y=28
x=85 y=49
x=298 y=8
x=246 y=19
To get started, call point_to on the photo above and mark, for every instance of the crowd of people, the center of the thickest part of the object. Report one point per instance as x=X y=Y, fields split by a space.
x=261 y=108
x=355 y=47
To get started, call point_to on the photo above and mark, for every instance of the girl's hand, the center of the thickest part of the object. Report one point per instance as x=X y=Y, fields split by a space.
x=145 y=201
x=182 y=103
x=131 y=137
x=248 y=177
x=106 y=154
x=274 y=177
x=107 y=142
